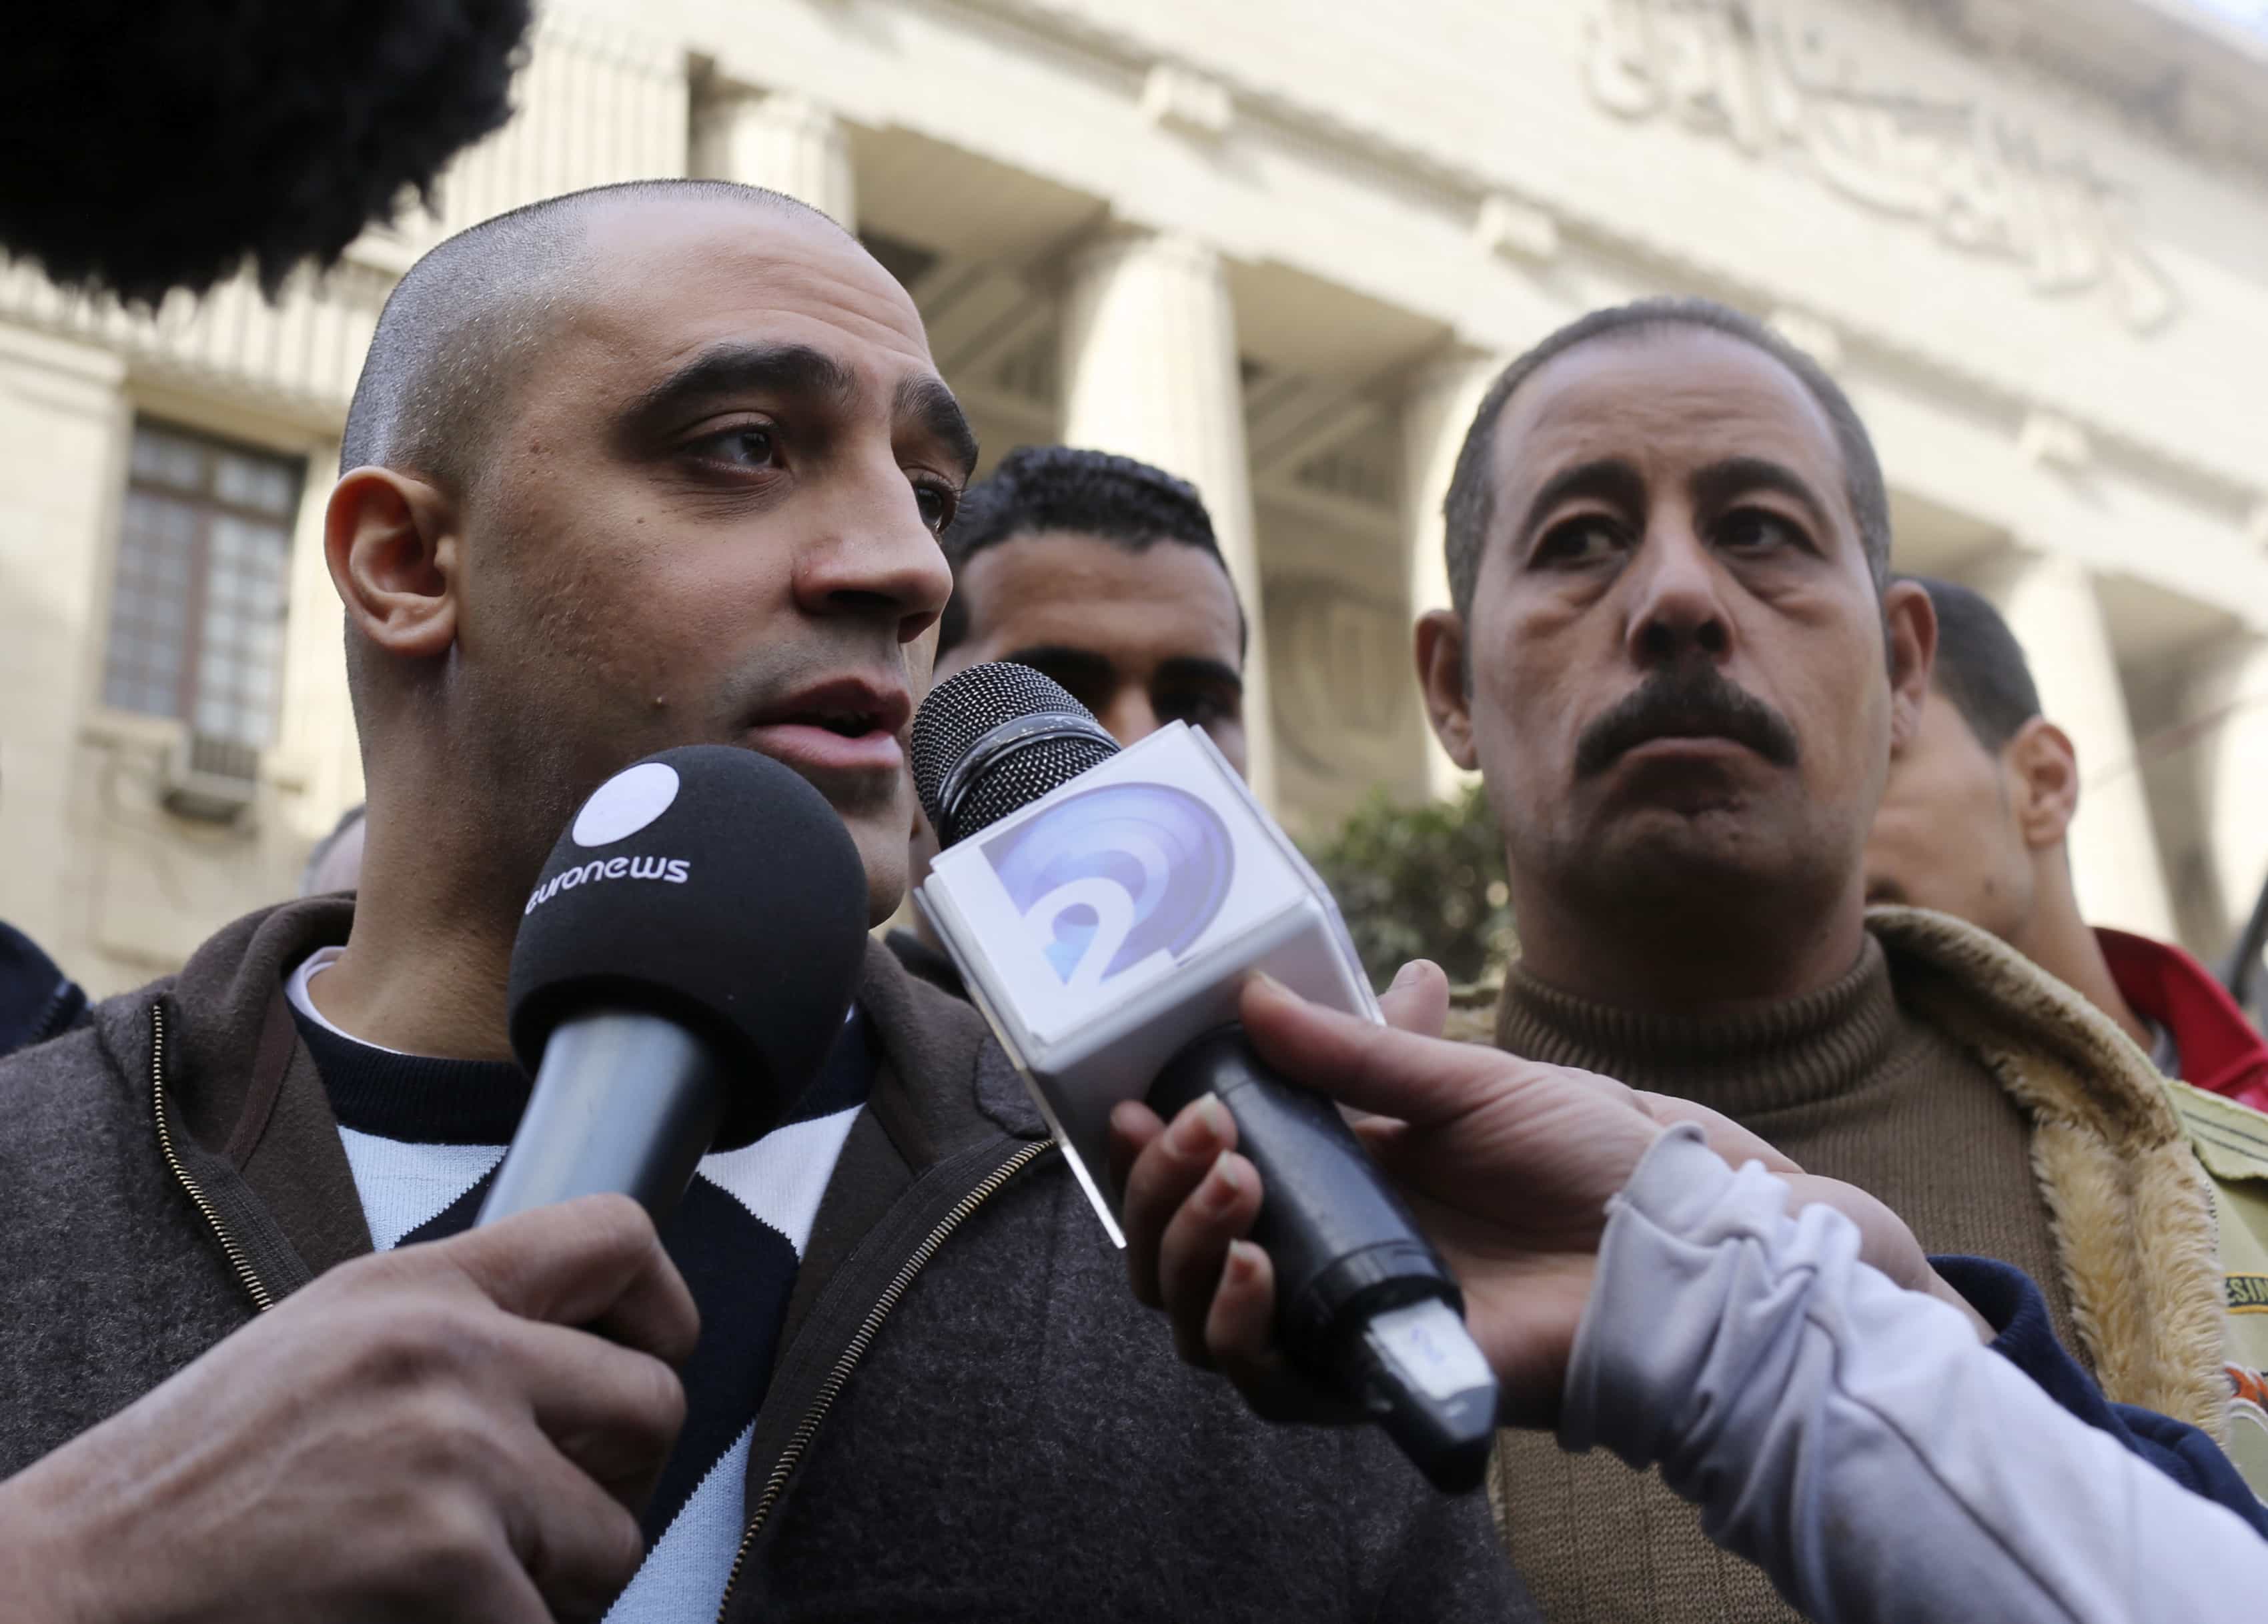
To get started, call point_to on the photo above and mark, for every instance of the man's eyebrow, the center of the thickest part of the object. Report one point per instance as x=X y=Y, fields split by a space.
x=1719 y=484
x=1193 y=668
x=743 y=369
x=1062 y=657
x=924 y=398
x=1609 y=478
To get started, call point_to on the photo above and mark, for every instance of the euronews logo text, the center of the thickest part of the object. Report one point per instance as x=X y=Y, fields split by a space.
x=674 y=870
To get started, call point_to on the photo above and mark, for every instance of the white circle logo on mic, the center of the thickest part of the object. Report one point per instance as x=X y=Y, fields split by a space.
x=625 y=803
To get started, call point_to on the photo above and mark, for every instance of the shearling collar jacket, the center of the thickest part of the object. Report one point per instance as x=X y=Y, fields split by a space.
x=970 y=1416
x=2131 y=1211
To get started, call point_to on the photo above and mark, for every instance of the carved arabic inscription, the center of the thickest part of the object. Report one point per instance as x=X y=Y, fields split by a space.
x=1751 y=73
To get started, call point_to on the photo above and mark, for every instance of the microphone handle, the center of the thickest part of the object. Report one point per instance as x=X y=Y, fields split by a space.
x=1364 y=1303
x=626 y=1103
x=1343 y=1244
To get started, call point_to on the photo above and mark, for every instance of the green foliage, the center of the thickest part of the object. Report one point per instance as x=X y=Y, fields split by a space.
x=1422 y=882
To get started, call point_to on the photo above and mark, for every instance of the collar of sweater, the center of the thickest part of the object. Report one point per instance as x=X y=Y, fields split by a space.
x=2132 y=1213
x=1742 y=1062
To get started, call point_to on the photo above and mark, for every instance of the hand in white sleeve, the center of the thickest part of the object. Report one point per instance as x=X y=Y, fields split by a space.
x=1801 y=1376
x=1853 y=1439
x=1508 y=1165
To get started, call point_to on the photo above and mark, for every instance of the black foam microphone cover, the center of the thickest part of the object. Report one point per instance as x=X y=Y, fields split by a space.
x=152 y=147
x=714 y=888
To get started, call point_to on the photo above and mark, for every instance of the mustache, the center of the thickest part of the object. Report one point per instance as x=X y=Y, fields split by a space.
x=1691 y=702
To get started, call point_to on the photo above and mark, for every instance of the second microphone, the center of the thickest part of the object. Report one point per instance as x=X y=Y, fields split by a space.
x=1104 y=907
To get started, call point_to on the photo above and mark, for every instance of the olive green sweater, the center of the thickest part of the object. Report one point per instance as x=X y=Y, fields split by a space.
x=1856 y=1083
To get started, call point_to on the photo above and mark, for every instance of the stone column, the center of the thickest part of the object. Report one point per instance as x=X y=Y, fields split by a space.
x=2228 y=704
x=789 y=143
x=1435 y=413
x=1150 y=370
x=2050 y=602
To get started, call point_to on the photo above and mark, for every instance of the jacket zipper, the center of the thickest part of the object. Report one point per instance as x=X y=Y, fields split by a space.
x=263 y=1299
x=855 y=1349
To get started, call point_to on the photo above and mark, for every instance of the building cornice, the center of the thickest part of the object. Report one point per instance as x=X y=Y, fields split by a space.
x=1469 y=189
x=2167 y=69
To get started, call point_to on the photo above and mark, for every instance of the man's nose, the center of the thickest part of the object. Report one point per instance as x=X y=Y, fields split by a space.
x=875 y=556
x=1679 y=610
x=1129 y=716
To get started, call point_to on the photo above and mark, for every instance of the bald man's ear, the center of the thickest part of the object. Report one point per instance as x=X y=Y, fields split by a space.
x=1910 y=634
x=392 y=544
x=2042 y=769
x=1441 y=679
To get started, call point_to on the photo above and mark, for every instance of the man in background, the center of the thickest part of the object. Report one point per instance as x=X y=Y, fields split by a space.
x=1679 y=663
x=1974 y=823
x=1059 y=563
x=1103 y=573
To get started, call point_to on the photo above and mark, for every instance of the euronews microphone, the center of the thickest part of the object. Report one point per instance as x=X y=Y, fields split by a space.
x=682 y=968
x=1104 y=906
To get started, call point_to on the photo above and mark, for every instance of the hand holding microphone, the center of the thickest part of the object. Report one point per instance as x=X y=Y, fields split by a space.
x=1508 y=1164
x=684 y=963
x=1103 y=909
x=467 y=1429
x=462 y=1430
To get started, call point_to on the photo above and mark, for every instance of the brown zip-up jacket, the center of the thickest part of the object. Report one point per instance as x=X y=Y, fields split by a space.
x=970 y=1417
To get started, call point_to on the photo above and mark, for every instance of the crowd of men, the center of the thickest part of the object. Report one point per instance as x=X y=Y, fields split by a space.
x=670 y=463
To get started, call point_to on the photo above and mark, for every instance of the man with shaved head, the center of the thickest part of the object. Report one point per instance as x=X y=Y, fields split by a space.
x=654 y=465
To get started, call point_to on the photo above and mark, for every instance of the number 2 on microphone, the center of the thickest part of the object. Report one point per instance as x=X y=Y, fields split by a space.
x=1080 y=949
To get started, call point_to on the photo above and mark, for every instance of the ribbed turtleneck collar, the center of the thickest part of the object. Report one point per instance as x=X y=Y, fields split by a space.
x=1743 y=1063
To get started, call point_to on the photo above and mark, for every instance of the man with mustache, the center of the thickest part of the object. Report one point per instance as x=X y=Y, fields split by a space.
x=656 y=463
x=1677 y=658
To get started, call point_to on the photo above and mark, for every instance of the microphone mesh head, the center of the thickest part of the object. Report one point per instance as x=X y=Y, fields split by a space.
x=966 y=707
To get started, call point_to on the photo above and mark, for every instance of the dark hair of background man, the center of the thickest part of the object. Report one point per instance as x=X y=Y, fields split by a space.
x=1472 y=493
x=1980 y=665
x=1042 y=488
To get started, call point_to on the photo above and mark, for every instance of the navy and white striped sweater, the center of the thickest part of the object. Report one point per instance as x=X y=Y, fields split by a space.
x=424 y=1137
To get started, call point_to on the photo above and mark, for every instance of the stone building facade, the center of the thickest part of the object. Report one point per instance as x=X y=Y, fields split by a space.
x=1279 y=246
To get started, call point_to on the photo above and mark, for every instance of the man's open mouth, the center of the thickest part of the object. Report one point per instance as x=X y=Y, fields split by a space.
x=845 y=724
x=848 y=725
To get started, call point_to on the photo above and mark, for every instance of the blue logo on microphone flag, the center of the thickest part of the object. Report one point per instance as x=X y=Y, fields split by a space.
x=1110 y=876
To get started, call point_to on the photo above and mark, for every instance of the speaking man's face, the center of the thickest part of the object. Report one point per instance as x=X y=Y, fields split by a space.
x=1679 y=686
x=713 y=516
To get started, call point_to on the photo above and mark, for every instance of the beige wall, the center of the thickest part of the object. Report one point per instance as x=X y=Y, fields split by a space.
x=2051 y=302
